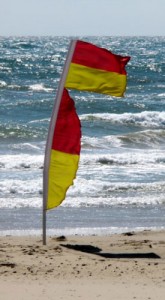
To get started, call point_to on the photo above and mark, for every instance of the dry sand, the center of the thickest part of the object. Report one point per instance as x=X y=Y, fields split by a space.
x=126 y=266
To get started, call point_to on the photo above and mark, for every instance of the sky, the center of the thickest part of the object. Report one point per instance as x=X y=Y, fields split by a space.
x=82 y=17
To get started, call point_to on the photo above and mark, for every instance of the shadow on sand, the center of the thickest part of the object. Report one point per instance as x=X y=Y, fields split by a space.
x=98 y=251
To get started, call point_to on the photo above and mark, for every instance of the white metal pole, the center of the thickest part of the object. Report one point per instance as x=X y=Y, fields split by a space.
x=51 y=132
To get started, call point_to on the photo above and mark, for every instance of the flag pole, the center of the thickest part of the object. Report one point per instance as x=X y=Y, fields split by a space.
x=51 y=132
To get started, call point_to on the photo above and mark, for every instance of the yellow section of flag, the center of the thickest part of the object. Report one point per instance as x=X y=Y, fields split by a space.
x=94 y=80
x=62 y=171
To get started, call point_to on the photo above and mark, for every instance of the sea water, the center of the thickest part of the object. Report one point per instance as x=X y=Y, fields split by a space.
x=120 y=181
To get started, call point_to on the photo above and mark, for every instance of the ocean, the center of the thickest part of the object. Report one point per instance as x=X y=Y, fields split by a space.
x=120 y=181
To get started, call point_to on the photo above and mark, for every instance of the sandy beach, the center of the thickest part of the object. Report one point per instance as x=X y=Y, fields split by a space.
x=126 y=266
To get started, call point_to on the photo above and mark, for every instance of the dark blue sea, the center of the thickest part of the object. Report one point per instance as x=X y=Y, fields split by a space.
x=120 y=183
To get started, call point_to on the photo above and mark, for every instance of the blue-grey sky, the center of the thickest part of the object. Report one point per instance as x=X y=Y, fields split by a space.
x=82 y=17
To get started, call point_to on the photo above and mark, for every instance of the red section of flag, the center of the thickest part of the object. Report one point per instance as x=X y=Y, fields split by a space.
x=95 y=57
x=67 y=132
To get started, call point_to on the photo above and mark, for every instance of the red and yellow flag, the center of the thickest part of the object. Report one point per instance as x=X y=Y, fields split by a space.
x=65 y=151
x=87 y=68
x=97 y=70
